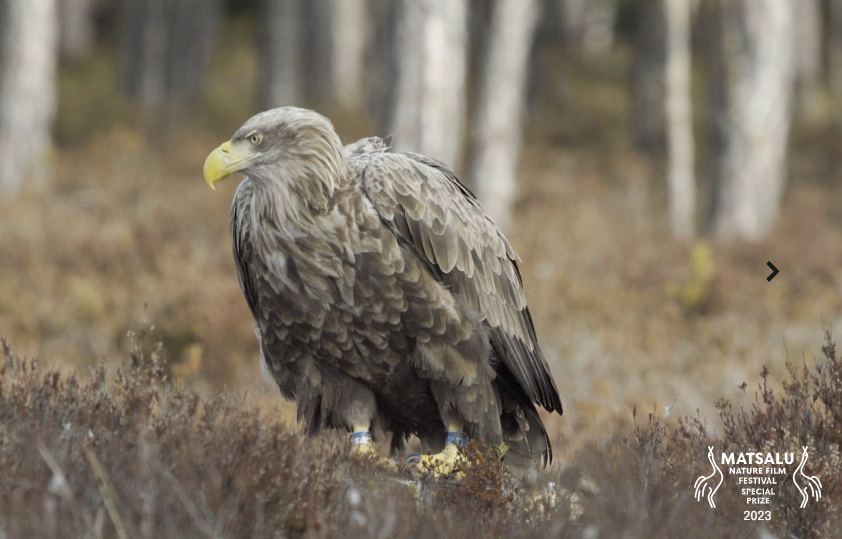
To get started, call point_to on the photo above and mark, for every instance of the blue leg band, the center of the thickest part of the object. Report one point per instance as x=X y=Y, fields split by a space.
x=456 y=437
x=361 y=438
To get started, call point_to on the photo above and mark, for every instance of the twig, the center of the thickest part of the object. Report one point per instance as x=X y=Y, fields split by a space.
x=202 y=521
x=66 y=492
x=109 y=497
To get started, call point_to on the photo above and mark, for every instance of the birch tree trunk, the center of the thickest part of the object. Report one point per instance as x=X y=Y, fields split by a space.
x=383 y=64
x=759 y=65
x=280 y=48
x=350 y=36
x=430 y=104
x=808 y=60
x=574 y=19
x=318 y=52
x=647 y=76
x=599 y=28
x=28 y=57
x=834 y=46
x=76 y=28
x=588 y=25
x=497 y=126
x=145 y=41
x=335 y=51
x=166 y=50
x=679 y=118
x=193 y=32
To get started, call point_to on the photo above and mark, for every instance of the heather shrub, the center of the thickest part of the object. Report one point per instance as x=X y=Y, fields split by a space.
x=807 y=411
x=132 y=454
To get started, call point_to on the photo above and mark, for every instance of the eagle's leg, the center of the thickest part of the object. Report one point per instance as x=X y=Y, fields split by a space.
x=361 y=441
x=362 y=445
x=447 y=462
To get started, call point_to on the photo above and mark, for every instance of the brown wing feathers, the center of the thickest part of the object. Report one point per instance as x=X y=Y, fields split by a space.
x=427 y=207
x=242 y=255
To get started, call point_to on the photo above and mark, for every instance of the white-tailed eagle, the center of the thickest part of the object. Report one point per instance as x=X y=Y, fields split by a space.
x=382 y=294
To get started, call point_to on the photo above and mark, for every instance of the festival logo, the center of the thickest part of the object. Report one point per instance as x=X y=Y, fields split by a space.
x=807 y=484
x=705 y=482
x=758 y=476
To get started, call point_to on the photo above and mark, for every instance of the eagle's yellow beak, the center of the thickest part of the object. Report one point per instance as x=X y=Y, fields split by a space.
x=226 y=160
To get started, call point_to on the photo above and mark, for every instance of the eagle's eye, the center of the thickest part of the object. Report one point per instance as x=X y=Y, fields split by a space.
x=255 y=139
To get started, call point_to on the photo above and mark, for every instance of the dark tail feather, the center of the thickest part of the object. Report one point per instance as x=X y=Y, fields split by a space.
x=524 y=433
x=523 y=430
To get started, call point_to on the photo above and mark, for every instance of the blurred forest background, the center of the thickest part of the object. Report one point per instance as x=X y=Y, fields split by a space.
x=645 y=157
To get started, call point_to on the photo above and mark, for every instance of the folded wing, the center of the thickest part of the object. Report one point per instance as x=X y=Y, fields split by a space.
x=424 y=204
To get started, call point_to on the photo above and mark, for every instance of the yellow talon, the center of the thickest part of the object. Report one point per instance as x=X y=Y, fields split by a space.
x=363 y=447
x=449 y=461
x=446 y=463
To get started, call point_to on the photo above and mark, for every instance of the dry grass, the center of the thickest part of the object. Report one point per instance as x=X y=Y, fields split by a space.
x=143 y=457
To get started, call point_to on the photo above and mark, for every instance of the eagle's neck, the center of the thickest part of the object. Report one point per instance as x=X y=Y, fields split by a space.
x=304 y=187
x=292 y=210
x=301 y=200
x=289 y=238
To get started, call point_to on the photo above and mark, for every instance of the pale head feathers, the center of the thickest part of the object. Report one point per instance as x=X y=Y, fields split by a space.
x=300 y=156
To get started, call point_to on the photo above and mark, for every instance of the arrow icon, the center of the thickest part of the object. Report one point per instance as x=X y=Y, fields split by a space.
x=775 y=271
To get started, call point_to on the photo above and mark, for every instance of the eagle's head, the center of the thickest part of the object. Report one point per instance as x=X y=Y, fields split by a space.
x=290 y=148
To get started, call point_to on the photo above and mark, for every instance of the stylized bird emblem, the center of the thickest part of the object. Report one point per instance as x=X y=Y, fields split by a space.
x=812 y=485
x=705 y=483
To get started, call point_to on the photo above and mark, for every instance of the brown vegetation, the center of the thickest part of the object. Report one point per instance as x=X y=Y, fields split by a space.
x=142 y=457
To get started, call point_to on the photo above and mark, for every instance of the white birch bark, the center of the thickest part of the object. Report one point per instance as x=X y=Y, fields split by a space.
x=497 y=126
x=28 y=57
x=281 y=24
x=430 y=104
x=808 y=44
x=758 y=51
x=679 y=118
